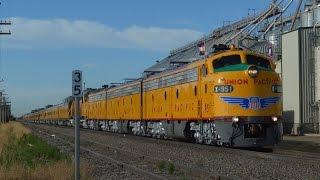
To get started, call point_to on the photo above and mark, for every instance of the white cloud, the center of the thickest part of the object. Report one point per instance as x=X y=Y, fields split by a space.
x=62 y=33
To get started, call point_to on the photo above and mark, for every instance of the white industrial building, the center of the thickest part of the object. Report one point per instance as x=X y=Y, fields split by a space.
x=301 y=74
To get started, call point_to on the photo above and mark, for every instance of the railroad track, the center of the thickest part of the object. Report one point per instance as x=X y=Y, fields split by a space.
x=135 y=162
x=261 y=153
x=144 y=173
x=200 y=161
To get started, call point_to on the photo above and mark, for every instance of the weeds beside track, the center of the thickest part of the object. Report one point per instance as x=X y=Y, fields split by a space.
x=26 y=156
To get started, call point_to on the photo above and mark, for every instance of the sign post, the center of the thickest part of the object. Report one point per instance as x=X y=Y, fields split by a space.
x=77 y=94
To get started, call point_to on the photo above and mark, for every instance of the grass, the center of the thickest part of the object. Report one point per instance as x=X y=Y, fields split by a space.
x=29 y=151
x=26 y=156
x=60 y=170
x=11 y=130
x=162 y=165
x=171 y=168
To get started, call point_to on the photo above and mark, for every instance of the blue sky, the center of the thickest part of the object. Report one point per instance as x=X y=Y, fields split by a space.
x=108 y=40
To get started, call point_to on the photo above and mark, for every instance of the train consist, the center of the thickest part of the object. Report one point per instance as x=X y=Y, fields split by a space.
x=230 y=98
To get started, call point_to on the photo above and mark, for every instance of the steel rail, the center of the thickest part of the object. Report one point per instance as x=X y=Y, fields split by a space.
x=132 y=168
x=191 y=170
x=258 y=153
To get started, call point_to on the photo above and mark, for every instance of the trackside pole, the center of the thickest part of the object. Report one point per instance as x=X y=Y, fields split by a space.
x=77 y=138
x=77 y=94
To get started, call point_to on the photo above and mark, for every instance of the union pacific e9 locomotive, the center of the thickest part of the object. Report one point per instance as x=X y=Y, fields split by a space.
x=230 y=98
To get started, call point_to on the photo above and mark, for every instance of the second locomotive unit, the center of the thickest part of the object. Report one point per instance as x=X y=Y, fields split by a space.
x=230 y=98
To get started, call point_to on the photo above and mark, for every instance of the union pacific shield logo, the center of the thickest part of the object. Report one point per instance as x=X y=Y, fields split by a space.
x=254 y=103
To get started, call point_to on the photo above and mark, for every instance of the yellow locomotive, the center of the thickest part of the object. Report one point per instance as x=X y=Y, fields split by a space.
x=232 y=98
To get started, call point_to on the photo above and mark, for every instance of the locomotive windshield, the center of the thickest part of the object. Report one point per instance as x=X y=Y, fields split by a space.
x=258 y=61
x=226 y=61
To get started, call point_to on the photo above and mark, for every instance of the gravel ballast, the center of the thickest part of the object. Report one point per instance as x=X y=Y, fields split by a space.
x=223 y=162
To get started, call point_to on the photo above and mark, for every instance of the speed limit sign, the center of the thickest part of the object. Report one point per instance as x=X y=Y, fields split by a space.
x=76 y=83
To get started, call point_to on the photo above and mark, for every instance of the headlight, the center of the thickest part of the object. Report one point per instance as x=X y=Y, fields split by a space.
x=274 y=118
x=253 y=71
x=235 y=119
x=276 y=88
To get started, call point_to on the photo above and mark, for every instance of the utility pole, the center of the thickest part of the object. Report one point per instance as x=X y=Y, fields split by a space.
x=5 y=23
x=5 y=112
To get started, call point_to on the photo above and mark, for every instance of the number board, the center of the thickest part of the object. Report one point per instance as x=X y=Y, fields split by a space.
x=76 y=83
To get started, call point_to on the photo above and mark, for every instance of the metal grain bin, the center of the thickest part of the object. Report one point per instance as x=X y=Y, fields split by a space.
x=307 y=18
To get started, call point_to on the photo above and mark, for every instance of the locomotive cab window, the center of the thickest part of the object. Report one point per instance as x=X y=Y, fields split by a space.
x=258 y=61
x=226 y=61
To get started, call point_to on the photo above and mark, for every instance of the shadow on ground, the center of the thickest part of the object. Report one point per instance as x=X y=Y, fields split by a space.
x=296 y=145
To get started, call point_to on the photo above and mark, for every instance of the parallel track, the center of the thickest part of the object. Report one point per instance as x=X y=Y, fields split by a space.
x=195 y=160
x=194 y=172
x=265 y=152
x=144 y=173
